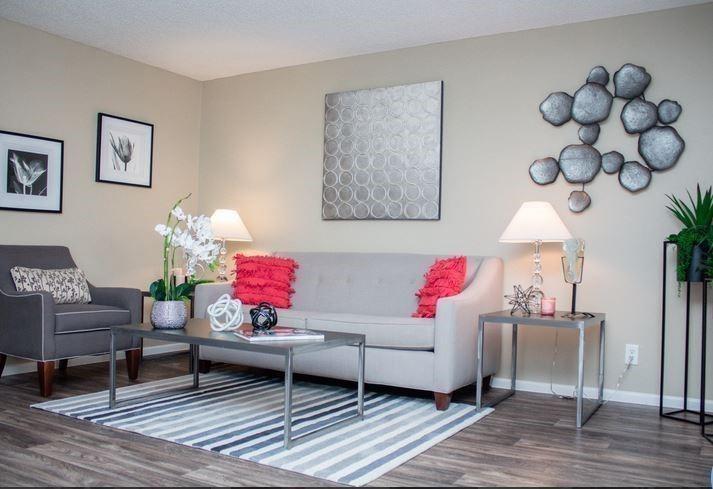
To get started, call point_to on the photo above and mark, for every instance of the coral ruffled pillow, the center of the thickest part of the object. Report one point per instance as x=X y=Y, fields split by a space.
x=444 y=279
x=264 y=279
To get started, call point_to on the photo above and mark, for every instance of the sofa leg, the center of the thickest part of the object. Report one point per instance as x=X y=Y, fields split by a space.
x=45 y=371
x=62 y=365
x=3 y=359
x=442 y=400
x=204 y=366
x=133 y=358
x=486 y=383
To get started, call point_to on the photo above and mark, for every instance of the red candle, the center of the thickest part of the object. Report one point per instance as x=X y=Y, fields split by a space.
x=548 y=306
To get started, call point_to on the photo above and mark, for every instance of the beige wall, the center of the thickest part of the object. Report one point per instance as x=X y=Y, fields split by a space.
x=53 y=87
x=261 y=152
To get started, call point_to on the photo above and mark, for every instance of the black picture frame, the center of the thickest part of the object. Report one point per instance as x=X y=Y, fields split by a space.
x=100 y=164
x=4 y=158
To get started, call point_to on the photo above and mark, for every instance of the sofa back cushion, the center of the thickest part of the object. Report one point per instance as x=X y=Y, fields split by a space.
x=45 y=257
x=363 y=283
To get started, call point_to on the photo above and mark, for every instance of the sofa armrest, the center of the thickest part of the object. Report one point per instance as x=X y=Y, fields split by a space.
x=124 y=298
x=27 y=325
x=207 y=294
x=456 y=329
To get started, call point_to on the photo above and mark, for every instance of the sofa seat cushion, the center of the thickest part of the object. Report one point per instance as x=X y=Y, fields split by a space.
x=80 y=318
x=403 y=333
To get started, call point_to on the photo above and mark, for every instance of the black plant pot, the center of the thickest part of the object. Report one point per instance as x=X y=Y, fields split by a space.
x=697 y=270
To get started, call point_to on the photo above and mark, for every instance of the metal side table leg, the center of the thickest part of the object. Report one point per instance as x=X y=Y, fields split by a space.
x=580 y=379
x=288 y=400
x=602 y=339
x=513 y=369
x=513 y=363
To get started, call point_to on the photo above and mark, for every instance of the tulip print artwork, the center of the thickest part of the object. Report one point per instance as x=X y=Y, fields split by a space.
x=31 y=173
x=124 y=151
x=27 y=173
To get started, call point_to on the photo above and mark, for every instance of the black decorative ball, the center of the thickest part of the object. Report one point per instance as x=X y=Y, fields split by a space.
x=263 y=317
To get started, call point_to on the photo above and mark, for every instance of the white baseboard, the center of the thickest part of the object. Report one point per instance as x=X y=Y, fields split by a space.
x=628 y=397
x=27 y=366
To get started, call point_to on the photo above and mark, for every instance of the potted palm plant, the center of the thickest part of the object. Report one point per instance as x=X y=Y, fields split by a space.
x=694 y=241
x=193 y=236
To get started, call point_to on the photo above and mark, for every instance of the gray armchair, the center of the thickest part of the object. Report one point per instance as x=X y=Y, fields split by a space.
x=33 y=327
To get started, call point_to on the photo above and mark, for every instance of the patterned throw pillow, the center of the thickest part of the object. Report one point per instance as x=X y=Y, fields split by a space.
x=67 y=286
x=445 y=278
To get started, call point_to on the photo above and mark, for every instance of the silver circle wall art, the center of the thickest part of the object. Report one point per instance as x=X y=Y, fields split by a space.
x=382 y=153
x=659 y=144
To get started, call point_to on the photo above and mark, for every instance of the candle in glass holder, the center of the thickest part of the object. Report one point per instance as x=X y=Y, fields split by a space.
x=548 y=306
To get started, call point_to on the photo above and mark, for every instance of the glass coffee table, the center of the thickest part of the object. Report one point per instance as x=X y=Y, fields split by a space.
x=198 y=333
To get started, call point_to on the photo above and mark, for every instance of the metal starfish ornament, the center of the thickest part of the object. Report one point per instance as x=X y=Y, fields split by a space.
x=521 y=299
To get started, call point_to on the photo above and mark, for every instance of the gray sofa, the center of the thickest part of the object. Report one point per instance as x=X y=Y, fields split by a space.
x=33 y=327
x=373 y=294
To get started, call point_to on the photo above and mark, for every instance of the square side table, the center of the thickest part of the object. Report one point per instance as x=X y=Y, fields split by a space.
x=559 y=320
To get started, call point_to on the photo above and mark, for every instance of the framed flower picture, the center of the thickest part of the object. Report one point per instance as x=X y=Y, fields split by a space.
x=30 y=173
x=124 y=151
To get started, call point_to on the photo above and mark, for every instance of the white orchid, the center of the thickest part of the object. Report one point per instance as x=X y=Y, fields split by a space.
x=192 y=235
x=162 y=229
x=179 y=214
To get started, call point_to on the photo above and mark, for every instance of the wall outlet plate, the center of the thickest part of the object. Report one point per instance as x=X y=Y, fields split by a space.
x=632 y=352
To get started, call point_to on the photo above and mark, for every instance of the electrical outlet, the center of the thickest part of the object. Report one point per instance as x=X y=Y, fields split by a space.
x=632 y=352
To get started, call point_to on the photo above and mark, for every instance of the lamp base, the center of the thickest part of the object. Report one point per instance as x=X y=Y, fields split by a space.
x=223 y=268
x=537 y=293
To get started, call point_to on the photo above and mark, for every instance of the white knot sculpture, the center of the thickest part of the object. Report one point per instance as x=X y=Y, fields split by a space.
x=226 y=314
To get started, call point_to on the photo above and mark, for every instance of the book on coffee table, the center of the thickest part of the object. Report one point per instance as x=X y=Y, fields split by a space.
x=279 y=333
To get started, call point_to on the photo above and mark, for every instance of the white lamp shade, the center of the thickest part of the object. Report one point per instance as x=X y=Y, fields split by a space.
x=535 y=221
x=227 y=225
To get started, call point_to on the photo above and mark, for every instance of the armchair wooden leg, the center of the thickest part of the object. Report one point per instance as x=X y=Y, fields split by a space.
x=204 y=366
x=3 y=359
x=486 y=383
x=442 y=400
x=46 y=375
x=133 y=358
x=63 y=365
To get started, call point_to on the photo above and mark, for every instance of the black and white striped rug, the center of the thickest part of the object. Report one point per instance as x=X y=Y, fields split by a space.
x=241 y=415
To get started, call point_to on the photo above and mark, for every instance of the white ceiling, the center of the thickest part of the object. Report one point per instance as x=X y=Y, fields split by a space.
x=207 y=39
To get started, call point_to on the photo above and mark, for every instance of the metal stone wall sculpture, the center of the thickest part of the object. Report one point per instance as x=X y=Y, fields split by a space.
x=660 y=146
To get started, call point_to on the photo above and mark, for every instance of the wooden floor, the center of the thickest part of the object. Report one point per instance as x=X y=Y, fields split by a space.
x=529 y=440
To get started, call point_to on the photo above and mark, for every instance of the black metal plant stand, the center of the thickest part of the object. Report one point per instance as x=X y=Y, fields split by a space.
x=699 y=417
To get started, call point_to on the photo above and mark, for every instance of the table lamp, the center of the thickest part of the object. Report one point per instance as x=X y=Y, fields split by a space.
x=536 y=222
x=227 y=226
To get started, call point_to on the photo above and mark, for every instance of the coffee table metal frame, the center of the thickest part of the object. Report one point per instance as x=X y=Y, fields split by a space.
x=198 y=333
x=559 y=320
